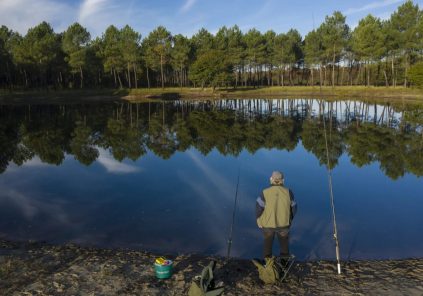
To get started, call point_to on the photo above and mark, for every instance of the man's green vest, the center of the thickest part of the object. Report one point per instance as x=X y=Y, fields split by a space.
x=277 y=208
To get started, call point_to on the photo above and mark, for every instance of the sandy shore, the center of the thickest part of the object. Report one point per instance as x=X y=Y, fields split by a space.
x=41 y=269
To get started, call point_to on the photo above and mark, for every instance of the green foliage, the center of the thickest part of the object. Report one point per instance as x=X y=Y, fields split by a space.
x=415 y=74
x=74 y=44
x=202 y=41
x=404 y=24
x=255 y=47
x=40 y=45
x=82 y=144
x=313 y=48
x=211 y=68
x=335 y=34
x=367 y=39
x=158 y=47
x=130 y=45
x=112 y=50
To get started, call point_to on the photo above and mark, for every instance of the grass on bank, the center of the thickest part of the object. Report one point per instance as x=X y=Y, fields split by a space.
x=351 y=91
x=193 y=93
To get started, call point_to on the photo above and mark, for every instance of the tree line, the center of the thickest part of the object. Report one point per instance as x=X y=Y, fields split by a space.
x=391 y=136
x=376 y=52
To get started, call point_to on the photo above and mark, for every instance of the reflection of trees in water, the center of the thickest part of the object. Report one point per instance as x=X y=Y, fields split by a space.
x=387 y=134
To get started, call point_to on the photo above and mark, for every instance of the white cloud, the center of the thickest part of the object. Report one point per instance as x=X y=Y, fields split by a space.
x=188 y=5
x=113 y=166
x=371 y=6
x=20 y=15
x=89 y=8
x=31 y=206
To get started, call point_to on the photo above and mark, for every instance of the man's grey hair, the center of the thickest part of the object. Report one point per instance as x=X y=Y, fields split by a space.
x=277 y=178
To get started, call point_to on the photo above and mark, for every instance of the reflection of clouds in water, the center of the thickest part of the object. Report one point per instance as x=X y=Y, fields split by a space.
x=35 y=162
x=217 y=180
x=215 y=205
x=227 y=193
x=227 y=189
x=113 y=166
x=214 y=210
x=30 y=206
x=316 y=237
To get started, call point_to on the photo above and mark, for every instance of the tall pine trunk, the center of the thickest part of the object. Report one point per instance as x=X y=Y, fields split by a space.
x=148 y=78
x=333 y=66
x=161 y=70
x=368 y=74
x=129 y=75
x=114 y=75
x=135 y=75
x=120 y=81
x=394 y=84
x=82 y=76
x=405 y=70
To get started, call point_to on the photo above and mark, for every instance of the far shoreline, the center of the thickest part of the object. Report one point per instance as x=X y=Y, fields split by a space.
x=361 y=93
x=30 y=267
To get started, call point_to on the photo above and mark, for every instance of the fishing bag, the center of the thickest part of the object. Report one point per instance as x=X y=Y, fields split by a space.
x=204 y=285
x=271 y=272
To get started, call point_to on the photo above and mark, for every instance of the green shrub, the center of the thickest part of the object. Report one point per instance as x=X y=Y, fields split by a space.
x=415 y=75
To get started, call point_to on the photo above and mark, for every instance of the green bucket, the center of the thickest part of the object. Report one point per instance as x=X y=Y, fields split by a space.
x=163 y=271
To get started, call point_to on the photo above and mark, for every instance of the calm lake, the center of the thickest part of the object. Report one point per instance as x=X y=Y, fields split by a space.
x=161 y=176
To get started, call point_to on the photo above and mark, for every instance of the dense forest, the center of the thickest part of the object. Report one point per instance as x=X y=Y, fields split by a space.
x=376 y=52
x=389 y=135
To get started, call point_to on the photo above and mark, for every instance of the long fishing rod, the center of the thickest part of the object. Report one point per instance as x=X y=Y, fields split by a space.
x=233 y=217
x=332 y=203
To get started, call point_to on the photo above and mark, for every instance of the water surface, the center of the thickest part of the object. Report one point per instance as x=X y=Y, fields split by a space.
x=161 y=176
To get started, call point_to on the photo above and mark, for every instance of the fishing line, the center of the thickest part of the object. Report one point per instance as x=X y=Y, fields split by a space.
x=233 y=217
x=332 y=203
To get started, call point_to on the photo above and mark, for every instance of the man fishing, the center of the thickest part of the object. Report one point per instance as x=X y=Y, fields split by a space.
x=275 y=209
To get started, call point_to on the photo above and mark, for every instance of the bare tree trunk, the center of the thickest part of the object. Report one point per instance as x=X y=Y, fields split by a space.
x=393 y=72
x=406 y=70
x=148 y=78
x=368 y=74
x=180 y=82
x=26 y=78
x=161 y=70
x=129 y=75
x=324 y=80
x=135 y=76
x=358 y=74
x=269 y=75
x=290 y=75
x=82 y=76
x=114 y=75
x=333 y=66
x=120 y=81
x=386 y=78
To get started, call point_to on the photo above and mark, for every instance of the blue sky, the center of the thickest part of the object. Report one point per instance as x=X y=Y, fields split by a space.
x=187 y=16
